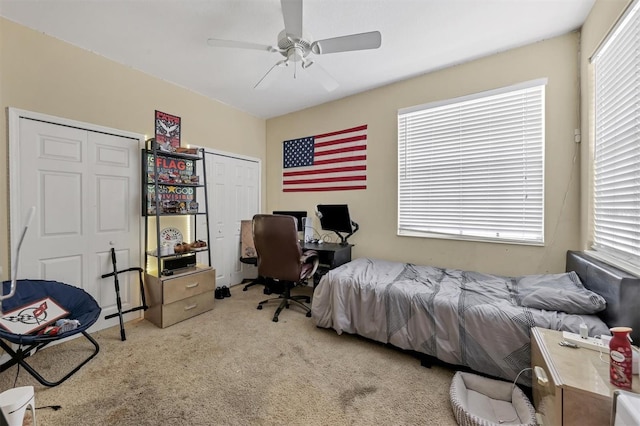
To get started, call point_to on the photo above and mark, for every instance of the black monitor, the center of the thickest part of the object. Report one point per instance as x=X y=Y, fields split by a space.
x=336 y=218
x=299 y=215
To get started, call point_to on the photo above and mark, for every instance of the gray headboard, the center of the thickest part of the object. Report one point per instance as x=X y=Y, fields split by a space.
x=620 y=289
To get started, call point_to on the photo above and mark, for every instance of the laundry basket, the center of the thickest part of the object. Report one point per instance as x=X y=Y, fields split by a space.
x=480 y=401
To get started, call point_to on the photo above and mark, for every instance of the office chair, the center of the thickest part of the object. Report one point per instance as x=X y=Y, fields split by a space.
x=280 y=258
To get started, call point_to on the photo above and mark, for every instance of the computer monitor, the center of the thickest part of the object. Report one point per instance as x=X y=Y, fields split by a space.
x=336 y=218
x=299 y=215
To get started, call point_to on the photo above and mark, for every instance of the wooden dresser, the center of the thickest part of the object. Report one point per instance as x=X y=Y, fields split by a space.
x=175 y=298
x=570 y=386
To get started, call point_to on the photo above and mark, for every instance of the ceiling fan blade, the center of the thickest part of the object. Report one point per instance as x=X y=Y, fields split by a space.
x=361 y=41
x=320 y=74
x=271 y=75
x=216 y=42
x=292 y=14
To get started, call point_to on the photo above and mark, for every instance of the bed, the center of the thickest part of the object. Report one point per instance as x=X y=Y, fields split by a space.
x=470 y=319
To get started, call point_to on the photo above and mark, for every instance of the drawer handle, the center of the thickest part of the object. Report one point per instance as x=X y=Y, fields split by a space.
x=188 y=308
x=541 y=376
x=192 y=285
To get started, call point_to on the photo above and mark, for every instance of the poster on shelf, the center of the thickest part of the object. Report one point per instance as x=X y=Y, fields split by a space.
x=167 y=131
x=172 y=170
x=177 y=192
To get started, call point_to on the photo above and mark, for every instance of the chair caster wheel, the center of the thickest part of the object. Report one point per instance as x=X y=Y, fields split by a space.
x=275 y=319
x=259 y=307
x=308 y=314
x=266 y=291
x=245 y=289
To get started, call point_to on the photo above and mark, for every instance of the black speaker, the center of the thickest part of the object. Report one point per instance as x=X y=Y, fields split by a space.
x=188 y=261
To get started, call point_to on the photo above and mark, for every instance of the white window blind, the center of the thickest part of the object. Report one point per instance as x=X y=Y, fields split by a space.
x=473 y=167
x=617 y=142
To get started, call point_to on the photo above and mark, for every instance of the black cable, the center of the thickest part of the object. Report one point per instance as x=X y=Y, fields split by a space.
x=53 y=407
x=15 y=381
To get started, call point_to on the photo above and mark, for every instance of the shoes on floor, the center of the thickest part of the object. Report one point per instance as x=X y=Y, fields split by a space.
x=226 y=292
x=218 y=293
x=222 y=292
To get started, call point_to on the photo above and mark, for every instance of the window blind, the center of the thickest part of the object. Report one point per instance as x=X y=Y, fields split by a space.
x=473 y=167
x=616 y=205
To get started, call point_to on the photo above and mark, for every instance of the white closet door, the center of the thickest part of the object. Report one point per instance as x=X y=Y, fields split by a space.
x=234 y=195
x=86 y=189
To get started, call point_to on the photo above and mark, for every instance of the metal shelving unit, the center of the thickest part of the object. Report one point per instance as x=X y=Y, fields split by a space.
x=172 y=188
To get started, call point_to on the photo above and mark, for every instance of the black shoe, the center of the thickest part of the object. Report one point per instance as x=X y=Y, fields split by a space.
x=226 y=292
x=218 y=293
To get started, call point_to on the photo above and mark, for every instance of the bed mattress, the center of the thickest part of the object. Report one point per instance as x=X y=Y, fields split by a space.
x=463 y=318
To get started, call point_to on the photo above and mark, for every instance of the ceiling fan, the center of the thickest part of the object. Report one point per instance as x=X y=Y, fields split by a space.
x=296 y=47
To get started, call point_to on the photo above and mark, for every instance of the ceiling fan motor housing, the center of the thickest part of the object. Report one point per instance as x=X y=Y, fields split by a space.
x=293 y=48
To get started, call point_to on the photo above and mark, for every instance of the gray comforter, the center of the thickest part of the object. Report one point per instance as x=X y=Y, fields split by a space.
x=463 y=318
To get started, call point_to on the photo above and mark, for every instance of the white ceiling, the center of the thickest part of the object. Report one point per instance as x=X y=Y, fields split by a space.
x=168 y=39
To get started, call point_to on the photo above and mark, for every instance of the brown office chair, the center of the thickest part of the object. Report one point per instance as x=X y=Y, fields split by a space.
x=280 y=259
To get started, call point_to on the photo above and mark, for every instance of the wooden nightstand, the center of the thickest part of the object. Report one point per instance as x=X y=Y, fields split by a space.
x=178 y=297
x=570 y=386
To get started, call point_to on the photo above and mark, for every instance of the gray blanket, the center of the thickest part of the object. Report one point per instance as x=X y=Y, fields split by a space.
x=462 y=318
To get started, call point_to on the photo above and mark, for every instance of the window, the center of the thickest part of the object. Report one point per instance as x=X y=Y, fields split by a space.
x=616 y=197
x=472 y=168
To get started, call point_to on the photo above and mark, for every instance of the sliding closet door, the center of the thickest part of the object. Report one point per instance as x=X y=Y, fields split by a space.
x=234 y=195
x=85 y=187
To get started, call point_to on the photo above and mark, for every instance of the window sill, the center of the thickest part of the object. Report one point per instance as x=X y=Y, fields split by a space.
x=613 y=261
x=468 y=238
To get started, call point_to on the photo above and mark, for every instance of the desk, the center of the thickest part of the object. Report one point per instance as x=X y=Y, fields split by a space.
x=331 y=256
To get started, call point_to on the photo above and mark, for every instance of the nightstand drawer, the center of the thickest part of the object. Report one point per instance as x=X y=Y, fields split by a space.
x=186 y=308
x=189 y=285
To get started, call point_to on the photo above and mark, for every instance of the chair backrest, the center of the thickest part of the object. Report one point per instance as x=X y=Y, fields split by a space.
x=276 y=242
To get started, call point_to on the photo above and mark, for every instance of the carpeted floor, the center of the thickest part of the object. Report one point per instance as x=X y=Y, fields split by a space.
x=234 y=366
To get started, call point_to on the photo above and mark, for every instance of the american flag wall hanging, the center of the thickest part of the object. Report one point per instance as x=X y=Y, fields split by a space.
x=335 y=161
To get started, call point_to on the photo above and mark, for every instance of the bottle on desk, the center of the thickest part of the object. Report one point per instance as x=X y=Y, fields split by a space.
x=621 y=358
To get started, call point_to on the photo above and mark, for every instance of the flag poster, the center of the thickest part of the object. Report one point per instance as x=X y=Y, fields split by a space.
x=335 y=161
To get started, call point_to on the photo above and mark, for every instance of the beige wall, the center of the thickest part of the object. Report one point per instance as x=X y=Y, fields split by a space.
x=41 y=74
x=375 y=208
x=603 y=16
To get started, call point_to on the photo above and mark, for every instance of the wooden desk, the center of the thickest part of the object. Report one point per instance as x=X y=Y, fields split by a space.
x=331 y=256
